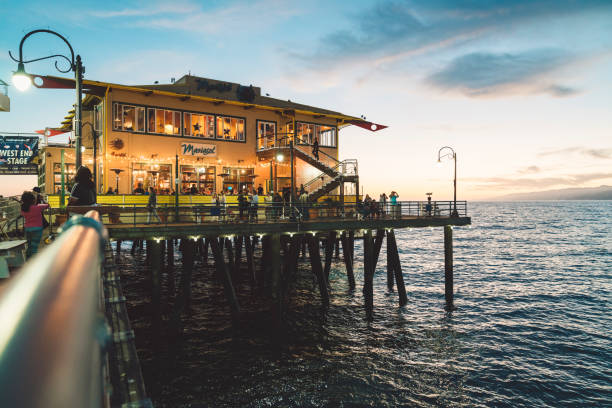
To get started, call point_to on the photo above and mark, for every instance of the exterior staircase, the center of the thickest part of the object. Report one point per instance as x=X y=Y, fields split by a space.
x=330 y=177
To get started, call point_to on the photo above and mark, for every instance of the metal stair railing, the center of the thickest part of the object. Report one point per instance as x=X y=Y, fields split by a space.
x=344 y=168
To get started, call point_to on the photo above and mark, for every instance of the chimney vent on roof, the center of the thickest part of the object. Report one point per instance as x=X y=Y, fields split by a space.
x=156 y=82
x=172 y=80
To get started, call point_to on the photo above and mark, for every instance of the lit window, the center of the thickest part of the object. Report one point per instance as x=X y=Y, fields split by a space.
x=198 y=125
x=229 y=128
x=164 y=121
x=128 y=117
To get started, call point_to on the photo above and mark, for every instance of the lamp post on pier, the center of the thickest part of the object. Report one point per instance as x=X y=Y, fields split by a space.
x=453 y=156
x=22 y=81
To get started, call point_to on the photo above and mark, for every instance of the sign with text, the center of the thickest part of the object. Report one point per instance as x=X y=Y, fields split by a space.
x=198 y=149
x=17 y=153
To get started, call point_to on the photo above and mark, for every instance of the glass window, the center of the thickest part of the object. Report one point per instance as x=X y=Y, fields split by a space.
x=69 y=173
x=236 y=179
x=128 y=117
x=229 y=128
x=98 y=117
x=266 y=135
x=158 y=176
x=164 y=121
x=198 y=125
x=308 y=132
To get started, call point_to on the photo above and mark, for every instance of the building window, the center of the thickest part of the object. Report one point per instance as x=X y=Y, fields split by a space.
x=229 y=128
x=158 y=176
x=198 y=180
x=69 y=173
x=128 y=117
x=266 y=134
x=307 y=132
x=236 y=179
x=198 y=125
x=163 y=121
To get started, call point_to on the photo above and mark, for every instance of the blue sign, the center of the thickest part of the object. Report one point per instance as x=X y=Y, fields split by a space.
x=17 y=153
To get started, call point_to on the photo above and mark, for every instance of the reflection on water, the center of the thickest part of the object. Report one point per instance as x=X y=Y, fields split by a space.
x=533 y=289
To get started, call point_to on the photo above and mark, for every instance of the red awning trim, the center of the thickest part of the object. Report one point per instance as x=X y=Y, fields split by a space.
x=372 y=127
x=52 y=132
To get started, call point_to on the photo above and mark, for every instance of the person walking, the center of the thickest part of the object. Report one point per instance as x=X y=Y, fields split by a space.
x=32 y=213
x=152 y=205
x=315 y=149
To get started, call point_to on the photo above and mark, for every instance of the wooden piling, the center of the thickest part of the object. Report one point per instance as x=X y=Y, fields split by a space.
x=390 y=278
x=188 y=258
x=380 y=235
x=230 y=260
x=170 y=267
x=368 y=274
x=276 y=275
x=237 y=254
x=351 y=241
x=329 y=252
x=248 y=246
x=223 y=273
x=153 y=250
x=315 y=262
x=337 y=248
x=397 y=267
x=205 y=250
x=448 y=267
x=348 y=261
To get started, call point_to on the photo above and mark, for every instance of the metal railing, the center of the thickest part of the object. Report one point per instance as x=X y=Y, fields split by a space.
x=283 y=140
x=10 y=217
x=344 y=168
x=271 y=212
x=53 y=330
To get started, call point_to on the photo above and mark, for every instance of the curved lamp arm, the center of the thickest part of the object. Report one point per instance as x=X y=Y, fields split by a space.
x=70 y=60
x=452 y=154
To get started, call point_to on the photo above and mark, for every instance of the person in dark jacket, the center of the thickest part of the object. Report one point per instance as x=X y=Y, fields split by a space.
x=152 y=205
x=315 y=148
x=83 y=191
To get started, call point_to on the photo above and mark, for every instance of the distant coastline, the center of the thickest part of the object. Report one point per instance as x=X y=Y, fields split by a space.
x=585 y=193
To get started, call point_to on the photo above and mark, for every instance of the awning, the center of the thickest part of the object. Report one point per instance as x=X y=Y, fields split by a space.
x=373 y=127
x=51 y=132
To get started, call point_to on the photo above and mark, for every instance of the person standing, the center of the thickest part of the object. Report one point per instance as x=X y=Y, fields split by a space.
x=393 y=197
x=152 y=205
x=383 y=204
x=254 y=205
x=32 y=213
x=315 y=148
x=82 y=192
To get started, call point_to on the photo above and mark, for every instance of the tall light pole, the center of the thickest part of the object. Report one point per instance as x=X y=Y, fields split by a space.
x=22 y=81
x=453 y=156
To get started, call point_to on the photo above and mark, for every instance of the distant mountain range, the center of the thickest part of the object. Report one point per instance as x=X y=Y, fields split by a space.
x=590 y=193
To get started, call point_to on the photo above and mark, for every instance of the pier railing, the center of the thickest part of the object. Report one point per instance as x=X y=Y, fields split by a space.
x=274 y=212
x=53 y=330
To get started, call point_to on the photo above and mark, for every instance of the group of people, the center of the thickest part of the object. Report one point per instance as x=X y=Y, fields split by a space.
x=386 y=205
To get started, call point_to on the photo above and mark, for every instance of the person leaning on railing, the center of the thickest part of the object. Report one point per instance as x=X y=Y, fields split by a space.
x=394 y=207
x=83 y=191
x=152 y=205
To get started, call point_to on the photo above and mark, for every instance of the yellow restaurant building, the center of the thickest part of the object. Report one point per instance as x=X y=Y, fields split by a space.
x=201 y=136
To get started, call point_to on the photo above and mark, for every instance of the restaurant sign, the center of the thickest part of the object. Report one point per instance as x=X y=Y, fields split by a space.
x=17 y=153
x=198 y=149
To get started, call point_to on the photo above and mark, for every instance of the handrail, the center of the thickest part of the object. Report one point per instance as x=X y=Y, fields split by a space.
x=52 y=315
x=288 y=136
x=341 y=165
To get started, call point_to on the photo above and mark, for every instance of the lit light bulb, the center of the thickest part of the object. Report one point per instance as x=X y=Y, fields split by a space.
x=21 y=80
x=82 y=149
x=280 y=158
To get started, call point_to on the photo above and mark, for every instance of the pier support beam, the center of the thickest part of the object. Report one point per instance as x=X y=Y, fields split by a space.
x=329 y=252
x=223 y=273
x=170 y=267
x=248 y=246
x=448 y=267
x=393 y=258
x=315 y=262
x=348 y=260
x=368 y=274
x=380 y=235
x=188 y=258
x=275 y=275
x=154 y=257
x=390 y=279
x=205 y=250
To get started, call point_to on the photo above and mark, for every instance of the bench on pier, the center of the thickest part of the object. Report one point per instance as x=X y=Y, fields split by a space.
x=12 y=253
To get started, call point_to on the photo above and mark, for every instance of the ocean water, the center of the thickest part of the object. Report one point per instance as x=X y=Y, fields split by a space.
x=532 y=328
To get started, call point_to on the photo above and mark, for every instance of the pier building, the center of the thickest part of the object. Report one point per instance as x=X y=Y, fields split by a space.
x=198 y=136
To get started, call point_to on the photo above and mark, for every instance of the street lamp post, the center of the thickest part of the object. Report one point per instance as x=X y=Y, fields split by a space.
x=95 y=153
x=453 y=156
x=22 y=81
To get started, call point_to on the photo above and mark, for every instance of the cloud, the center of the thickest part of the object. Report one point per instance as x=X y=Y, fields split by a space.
x=542 y=182
x=147 y=9
x=186 y=16
x=484 y=74
x=530 y=170
x=590 y=152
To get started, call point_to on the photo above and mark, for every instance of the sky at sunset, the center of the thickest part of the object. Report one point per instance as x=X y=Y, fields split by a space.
x=522 y=90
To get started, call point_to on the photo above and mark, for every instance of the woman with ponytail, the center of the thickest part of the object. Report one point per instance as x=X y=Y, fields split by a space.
x=32 y=213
